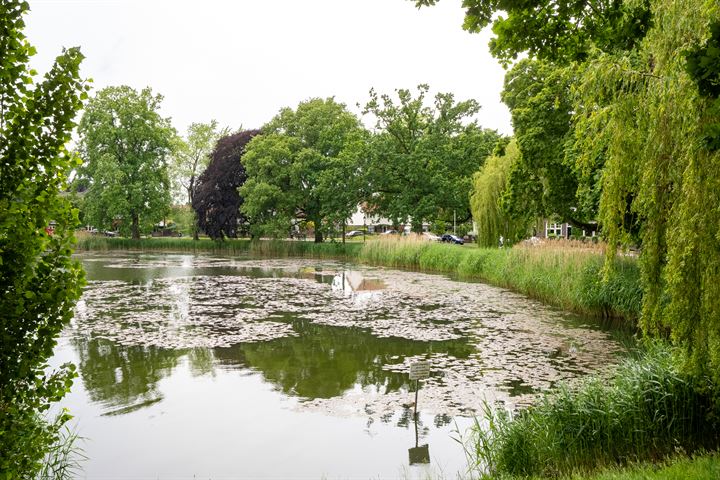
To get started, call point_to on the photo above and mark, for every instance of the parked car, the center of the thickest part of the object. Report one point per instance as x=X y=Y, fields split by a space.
x=452 y=239
x=354 y=233
x=431 y=237
x=390 y=232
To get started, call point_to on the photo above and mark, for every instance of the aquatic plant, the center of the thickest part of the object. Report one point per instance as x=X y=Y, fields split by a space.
x=647 y=411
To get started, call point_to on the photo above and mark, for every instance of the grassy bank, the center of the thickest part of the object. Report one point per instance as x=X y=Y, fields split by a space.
x=702 y=467
x=648 y=411
x=558 y=274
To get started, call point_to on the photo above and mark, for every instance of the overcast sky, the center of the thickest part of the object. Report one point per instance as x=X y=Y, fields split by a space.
x=240 y=61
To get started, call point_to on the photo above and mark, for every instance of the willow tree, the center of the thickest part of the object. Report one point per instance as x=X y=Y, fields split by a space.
x=662 y=167
x=647 y=114
x=490 y=185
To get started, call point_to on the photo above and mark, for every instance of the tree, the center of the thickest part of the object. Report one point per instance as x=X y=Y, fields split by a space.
x=489 y=185
x=557 y=30
x=306 y=165
x=544 y=181
x=650 y=115
x=126 y=146
x=193 y=156
x=39 y=281
x=216 y=200
x=422 y=158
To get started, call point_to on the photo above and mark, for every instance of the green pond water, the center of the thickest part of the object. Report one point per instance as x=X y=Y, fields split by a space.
x=200 y=366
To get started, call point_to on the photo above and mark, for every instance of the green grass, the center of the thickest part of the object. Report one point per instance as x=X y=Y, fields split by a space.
x=569 y=278
x=701 y=467
x=648 y=411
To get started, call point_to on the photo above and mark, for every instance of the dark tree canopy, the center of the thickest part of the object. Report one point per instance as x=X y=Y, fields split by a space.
x=217 y=201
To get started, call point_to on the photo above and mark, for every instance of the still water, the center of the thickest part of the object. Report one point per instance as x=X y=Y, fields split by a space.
x=198 y=366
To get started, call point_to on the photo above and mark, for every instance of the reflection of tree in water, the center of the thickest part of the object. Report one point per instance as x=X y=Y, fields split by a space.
x=121 y=376
x=325 y=361
x=322 y=362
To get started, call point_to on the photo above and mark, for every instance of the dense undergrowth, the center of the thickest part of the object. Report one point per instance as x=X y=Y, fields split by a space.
x=569 y=278
x=648 y=411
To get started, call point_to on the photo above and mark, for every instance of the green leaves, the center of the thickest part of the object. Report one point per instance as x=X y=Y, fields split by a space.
x=306 y=166
x=557 y=30
x=126 y=146
x=422 y=157
x=39 y=281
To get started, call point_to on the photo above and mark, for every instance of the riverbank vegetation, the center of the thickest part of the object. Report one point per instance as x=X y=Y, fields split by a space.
x=619 y=124
x=648 y=410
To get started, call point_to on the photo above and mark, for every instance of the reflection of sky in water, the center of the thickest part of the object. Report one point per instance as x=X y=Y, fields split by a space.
x=213 y=348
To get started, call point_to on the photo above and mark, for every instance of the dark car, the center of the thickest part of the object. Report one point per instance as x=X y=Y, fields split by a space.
x=452 y=239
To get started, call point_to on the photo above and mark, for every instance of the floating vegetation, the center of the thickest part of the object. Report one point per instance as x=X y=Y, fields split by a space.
x=512 y=347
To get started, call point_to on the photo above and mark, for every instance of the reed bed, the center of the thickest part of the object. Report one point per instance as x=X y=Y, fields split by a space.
x=648 y=411
x=566 y=276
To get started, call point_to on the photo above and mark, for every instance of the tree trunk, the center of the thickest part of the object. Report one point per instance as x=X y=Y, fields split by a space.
x=343 y=233
x=195 y=228
x=417 y=226
x=135 y=227
x=318 y=231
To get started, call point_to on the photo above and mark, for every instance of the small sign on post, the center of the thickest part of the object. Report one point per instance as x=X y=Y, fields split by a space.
x=419 y=370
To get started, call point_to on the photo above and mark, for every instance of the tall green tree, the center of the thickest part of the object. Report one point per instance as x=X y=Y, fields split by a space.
x=126 y=147
x=191 y=158
x=422 y=157
x=489 y=186
x=545 y=181
x=557 y=30
x=661 y=175
x=307 y=164
x=39 y=281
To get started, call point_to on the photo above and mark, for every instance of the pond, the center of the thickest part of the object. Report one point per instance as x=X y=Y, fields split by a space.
x=201 y=366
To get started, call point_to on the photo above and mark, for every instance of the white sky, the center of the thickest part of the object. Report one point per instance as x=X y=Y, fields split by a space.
x=240 y=61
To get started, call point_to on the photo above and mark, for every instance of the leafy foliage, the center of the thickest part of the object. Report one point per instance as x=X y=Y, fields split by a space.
x=305 y=166
x=558 y=30
x=544 y=181
x=125 y=145
x=39 y=281
x=491 y=218
x=650 y=121
x=216 y=200
x=703 y=65
x=192 y=157
x=422 y=157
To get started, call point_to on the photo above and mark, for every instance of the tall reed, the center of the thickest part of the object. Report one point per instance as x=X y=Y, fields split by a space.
x=562 y=275
x=648 y=410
